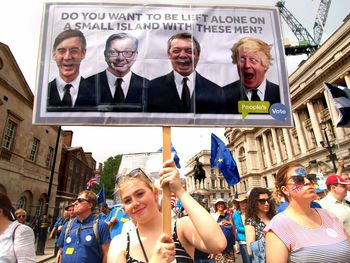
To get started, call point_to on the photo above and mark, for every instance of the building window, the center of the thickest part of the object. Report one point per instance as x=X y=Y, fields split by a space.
x=22 y=203
x=71 y=165
x=34 y=151
x=245 y=186
x=214 y=195
x=221 y=184
x=266 y=184
x=213 y=183
x=222 y=195
x=49 y=155
x=9 y=135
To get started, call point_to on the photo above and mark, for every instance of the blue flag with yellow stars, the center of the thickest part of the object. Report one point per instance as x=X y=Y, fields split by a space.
x=222 y=158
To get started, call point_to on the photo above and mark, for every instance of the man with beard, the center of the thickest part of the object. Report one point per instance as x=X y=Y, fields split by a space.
x=184 y=90
x=253 y=58
x=69 y=91
x=118 y=88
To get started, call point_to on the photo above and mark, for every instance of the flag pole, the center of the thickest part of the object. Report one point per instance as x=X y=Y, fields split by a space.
x=166 y=208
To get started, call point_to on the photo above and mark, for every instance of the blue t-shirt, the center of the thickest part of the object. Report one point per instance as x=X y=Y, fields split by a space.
x=285 y=204
x=80 y=244
x=102 y=216
x=121 y=219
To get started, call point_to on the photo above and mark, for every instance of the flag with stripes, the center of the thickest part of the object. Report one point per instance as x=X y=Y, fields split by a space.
x=92 y=181
x=341 y=99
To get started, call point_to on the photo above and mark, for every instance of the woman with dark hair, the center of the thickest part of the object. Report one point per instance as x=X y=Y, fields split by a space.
x=16 y=239
x=260 y=210
x=148 y=243
x=302 y=233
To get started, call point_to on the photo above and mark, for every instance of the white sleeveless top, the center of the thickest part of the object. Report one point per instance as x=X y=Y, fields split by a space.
x=20 y=247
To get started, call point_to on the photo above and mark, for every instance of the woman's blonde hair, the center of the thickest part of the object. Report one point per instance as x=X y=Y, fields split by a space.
x=134 y=175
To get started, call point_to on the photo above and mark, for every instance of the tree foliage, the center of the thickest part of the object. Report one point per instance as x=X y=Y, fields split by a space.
x=110 y=170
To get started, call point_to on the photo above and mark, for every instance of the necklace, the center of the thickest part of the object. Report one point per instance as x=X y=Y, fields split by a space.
x=143 y=249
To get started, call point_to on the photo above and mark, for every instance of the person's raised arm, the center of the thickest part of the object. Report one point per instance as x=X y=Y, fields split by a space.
x=273 y=244
x=199 y=228
x=250 y=237
x=340 y=167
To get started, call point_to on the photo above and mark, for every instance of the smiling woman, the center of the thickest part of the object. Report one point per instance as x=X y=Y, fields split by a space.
x=148 y=243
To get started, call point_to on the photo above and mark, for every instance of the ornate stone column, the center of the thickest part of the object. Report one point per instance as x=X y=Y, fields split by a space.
x=315 y=123
x=301 y=137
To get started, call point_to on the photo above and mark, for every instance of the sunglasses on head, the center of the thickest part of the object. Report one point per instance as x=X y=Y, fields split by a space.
x=300 y=179
x=134 y=173
x=264 y=200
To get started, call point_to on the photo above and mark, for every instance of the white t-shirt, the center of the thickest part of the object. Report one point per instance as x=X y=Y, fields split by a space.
x=21 y=247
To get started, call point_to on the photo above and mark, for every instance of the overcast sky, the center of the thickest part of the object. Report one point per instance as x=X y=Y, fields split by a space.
x=20 y=29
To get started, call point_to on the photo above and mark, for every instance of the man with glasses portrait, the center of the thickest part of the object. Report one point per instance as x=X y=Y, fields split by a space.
x=86 y=238
x=118 y=88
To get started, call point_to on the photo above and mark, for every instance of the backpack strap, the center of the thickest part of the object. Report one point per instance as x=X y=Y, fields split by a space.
x=95 y=229
x=68 y=228
x=13 y=239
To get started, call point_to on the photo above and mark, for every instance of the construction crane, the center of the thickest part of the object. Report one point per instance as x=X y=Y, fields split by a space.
x=306 y=43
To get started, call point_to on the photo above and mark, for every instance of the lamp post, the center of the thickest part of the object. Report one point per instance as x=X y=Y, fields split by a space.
x=327 y=145
x=44 y=223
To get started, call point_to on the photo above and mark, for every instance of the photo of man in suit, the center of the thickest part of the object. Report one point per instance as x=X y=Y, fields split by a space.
x=253 y=58
x=69 y=91
x=118 y=88
x=184 y=90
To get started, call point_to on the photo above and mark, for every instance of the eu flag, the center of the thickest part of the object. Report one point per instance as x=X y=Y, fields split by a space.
x=101 y=198
x=222 y=158
x=176 y=157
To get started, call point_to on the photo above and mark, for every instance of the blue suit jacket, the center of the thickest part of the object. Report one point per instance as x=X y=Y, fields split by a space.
x=234 y=92
x=86 y=100
x=163 y=96
x=134 y=100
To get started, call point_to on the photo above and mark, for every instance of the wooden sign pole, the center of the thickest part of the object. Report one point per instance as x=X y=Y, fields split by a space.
x=166 y=203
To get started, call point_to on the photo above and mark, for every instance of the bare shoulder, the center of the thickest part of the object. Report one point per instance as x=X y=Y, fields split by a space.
x=117 y=249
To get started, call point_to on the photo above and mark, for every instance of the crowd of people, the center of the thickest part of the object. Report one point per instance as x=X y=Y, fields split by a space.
x=251 y=228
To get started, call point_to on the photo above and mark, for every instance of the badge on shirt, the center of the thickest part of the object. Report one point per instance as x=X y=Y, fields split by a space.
x=70 y=250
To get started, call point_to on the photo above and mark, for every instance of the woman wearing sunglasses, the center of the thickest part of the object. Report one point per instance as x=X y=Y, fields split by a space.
x=148 y=243
x=301 y=233
x=260 y=210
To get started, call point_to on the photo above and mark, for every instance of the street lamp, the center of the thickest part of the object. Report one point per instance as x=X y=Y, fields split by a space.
x=327 y=145
x=44 y=222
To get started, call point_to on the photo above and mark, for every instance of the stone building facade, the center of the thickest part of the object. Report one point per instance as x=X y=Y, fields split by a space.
x=214 y=185
x=26 y=150
x=76 y=169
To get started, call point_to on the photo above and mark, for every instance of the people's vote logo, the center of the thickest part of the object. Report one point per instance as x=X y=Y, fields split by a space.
x=278 y=111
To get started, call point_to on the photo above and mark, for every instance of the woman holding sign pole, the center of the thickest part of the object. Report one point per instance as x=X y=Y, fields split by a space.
x=148 y=243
